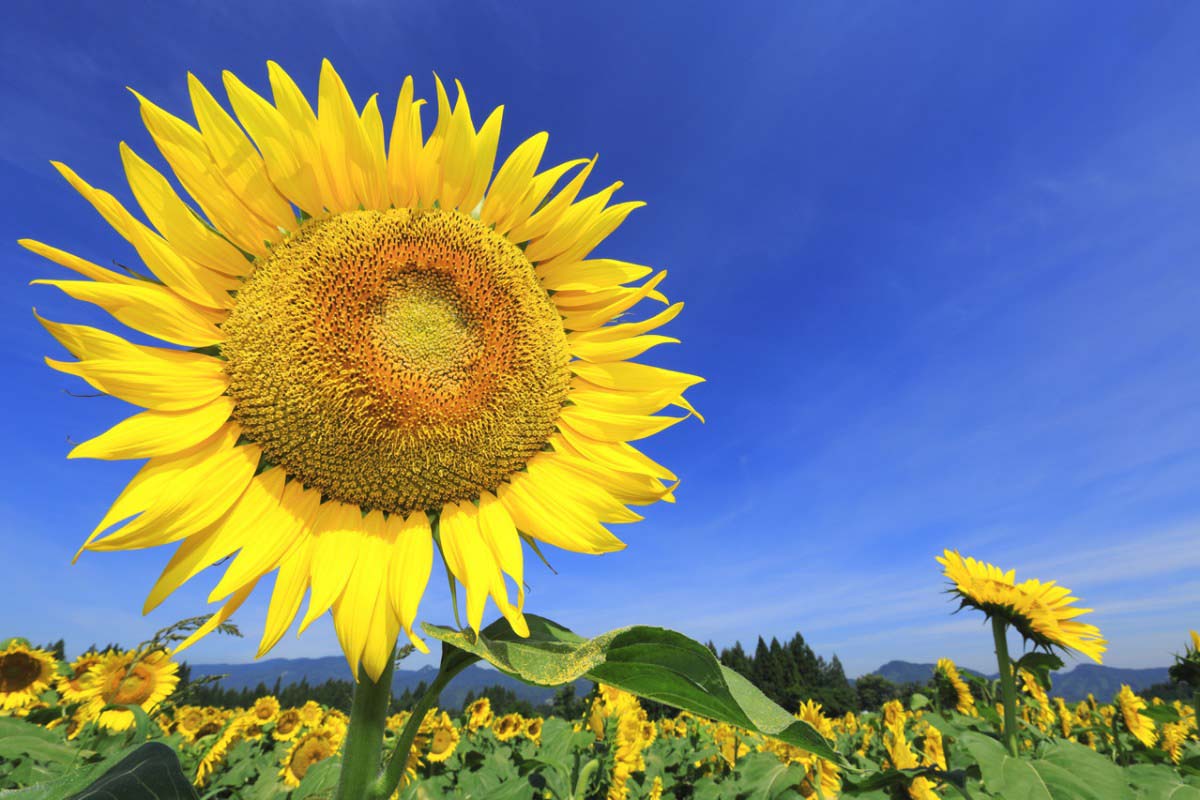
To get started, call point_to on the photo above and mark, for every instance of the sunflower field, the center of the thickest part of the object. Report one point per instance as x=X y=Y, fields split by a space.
x=74 y=729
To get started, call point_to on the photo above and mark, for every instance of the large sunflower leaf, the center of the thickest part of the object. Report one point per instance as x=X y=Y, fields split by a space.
x=148 y=772
x=654 y=663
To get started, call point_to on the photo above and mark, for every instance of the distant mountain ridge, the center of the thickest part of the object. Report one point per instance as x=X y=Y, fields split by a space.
x=1072 y=685
x=319 y=670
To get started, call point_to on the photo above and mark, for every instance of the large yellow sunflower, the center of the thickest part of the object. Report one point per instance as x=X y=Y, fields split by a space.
x=1043 y=613
x=73 y=687
x=125 y=679
x=25 y=672
x=381 y=344
x=310 y=748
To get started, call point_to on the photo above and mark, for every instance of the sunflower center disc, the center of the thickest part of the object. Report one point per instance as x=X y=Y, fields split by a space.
x=17 y=671
x=396 y=359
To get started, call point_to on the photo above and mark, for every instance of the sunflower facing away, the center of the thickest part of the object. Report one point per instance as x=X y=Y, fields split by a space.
x=374 y=346
x=1043 y=613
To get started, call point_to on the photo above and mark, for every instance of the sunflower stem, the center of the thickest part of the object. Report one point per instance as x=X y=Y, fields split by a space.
x=1008 y=684
x=364 y=736
x=398 y=761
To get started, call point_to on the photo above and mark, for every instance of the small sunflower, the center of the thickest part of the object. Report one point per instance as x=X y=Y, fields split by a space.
x=310 y=748
x=1042 y=612
x=287 y=725
x=374 y=346
x=311 y=713
x=265 y=710
x=189 y=720
x=72 y=687
x=964 y=700
x=443 y=739
x=1137 y=723
x=129 y=678
x=479 y=714
x=533 y=729
x=25 y=672
x=1174 y=736
x=507 y=727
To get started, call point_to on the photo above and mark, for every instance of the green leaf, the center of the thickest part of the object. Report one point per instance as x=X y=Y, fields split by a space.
x=918 y=701
x=1160 y=713
x=766 y=778
x=150 y=772
x=1072 y=770
x=320 y=781
x=37 y=748
x=1040 y=665
x=1003 y=775
x=1159 y=782
x=654 y=663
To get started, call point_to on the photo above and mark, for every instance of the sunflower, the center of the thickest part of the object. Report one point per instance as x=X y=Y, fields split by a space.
x=508 y=726
x=376 y=350
x=1137 y=723
x=964 y=700
x=72 y=687
x=443 y=739
x=310 y=748
x=25 y=672
x=129 y=679
x=1042 y=612
x=265 y=709
x=189 y=720
x=311 y=713
x=287 y=725
x=533 y=729
x=479 y=714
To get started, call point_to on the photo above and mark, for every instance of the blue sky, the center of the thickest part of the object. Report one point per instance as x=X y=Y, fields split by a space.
x=940 y=268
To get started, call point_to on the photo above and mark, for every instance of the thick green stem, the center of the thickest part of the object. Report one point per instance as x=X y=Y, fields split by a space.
x=1008 y=684
x=364 y=737
x=394 y=772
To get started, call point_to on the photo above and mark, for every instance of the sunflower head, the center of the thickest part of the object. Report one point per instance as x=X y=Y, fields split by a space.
x=265 y=709
x=307 y=750
x=311 y=713
x=25 y=672
x=72 y=687
x=373 y=347
x=533 y=729
x=1043 y=613
x=1137 y=723
x=507 y=726
x=287 y=725
x=442 y=739
x=479 y=714
x=130 y=678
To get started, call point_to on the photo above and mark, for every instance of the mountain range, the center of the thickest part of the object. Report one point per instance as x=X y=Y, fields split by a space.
x=1071 y=685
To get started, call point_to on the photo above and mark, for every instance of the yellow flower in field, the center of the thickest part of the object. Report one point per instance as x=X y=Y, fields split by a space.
x=901 y=755
x=311 y=713
x=72 y=687
x=1042 y=612
x=933 y=751
x=508 y=726
x=1174 y=735
x=1065 y=718
x=965 y=703
x=189 y=720
x=129 y=678
x=373 y=346
x=1141 y=726
x=310 y=748
x=443 y=739
x=287 y=725
x=533 y=729
x=219 y=749
x=656 y=789
x=25 y=672
x=1195 y=648
x=265 y=709
x=479 y=714
x=893 y=713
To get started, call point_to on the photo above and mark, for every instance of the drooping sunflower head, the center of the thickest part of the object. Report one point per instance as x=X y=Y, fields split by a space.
x=1137 y=723
x=376 y=346
x=25 y=672
x=1044 y=613
x=127 y=678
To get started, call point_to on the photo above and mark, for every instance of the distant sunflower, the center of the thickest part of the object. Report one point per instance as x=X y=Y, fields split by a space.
x=1137 y=723
x=129 y=679
x=73 y=687
x=443 y=739
x=479 y=714
x=507 y=727
x=189 y=720
x=311 y=713
x=964 y=700
x=378 y=349
x=265 y=710
x=1042 y=612
x=533 y=729
x=309 y=749
x=287 y=725
x=25 y=672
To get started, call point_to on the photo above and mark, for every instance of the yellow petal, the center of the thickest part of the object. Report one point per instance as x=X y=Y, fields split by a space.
x=473 y=563
x=336 y=535
x=157 y=433
x=278 y=530
x=302 y=123
x=567 y=229
x=620 y=350
x=184 y=149
x=485 y=159
x=612 y=333
x=616 y=455
x=458 y=155
x=588 y=310
x=372 y=126
x=630 y=377
x=224 y=614
x=540 y=223
x=512 y=179
x=290 y=583
x=500 y=534
x=558 y=476
x=596 y=231
x=404 y=147
x=149 y=308
x=178 y=224
x=409 y=568
x=539 y=516
x=607 y=426
x=354 y=608
x=198 y=284
x=534 y=193
x=73 y=262
x=341 y=138
x=191 y=501
x=236 y=160
x=590 y=275
x=290 y=164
